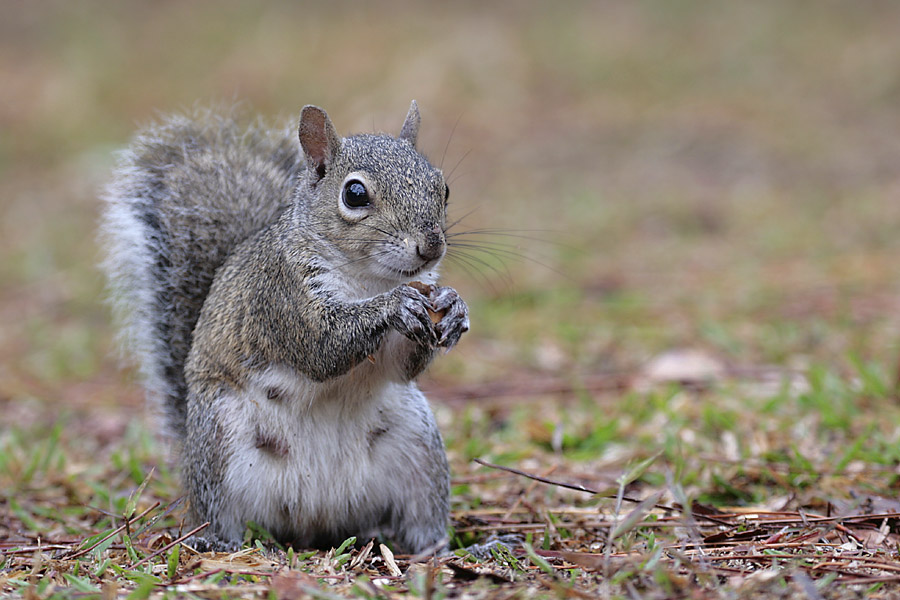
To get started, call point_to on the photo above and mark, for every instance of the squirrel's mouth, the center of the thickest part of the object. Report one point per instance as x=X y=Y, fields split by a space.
x=411 y=273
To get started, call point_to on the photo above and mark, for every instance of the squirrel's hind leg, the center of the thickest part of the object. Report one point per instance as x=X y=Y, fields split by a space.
x=204 y=467
x=421 y=506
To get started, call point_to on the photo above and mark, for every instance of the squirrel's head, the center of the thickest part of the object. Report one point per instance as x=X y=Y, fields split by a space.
x=373 y=198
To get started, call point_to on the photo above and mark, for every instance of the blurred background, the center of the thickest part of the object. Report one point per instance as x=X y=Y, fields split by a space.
x=706 y=175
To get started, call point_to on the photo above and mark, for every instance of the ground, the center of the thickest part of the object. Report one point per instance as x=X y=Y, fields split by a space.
x=686 y=304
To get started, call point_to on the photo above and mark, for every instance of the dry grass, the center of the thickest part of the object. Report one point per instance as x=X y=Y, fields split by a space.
x=715 y=179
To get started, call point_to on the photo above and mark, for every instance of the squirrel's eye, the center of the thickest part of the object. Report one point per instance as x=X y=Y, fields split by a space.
x=446 y=192
x=355 y=194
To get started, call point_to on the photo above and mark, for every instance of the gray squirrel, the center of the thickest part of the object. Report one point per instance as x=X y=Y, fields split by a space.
x=264 y=292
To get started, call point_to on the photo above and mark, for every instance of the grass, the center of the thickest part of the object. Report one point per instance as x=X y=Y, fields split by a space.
x=705 y=187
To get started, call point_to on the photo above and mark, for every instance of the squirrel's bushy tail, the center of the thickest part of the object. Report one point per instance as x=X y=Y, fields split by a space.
x=185 y=193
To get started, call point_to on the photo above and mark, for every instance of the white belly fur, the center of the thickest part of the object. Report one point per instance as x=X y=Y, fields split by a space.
x=335 y=456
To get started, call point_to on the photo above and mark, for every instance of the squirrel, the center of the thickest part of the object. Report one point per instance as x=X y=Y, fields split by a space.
x=264 y=291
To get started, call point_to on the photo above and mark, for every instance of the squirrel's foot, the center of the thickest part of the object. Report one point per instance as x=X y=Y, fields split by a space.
x=212 y=543
x=455 y=321
x=506 y=543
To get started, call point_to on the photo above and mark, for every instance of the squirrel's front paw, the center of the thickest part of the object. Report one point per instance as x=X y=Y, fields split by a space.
x=411 y=318
x=455 y=319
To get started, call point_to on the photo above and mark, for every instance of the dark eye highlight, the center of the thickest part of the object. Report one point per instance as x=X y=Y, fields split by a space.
x=355 y=194
x=446 y=192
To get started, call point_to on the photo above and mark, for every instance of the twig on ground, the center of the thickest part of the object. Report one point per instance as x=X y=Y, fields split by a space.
x=116 y=531
x=171 y=544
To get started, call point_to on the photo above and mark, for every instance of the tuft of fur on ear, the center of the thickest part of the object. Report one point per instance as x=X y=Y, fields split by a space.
x=319 y=140
x=410 y=130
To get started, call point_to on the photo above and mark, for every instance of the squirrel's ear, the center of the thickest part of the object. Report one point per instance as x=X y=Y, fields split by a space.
x=319 y=140
x=410 y=130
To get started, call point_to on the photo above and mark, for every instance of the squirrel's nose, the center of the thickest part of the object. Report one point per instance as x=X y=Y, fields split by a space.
x=432 y=246
x=430 y=251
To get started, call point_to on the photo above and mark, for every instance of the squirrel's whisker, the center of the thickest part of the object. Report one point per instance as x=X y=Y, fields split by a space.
x=456 y=166
x=449 y=139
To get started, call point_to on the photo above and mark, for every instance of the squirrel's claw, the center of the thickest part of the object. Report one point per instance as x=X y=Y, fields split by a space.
x=455 y=321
